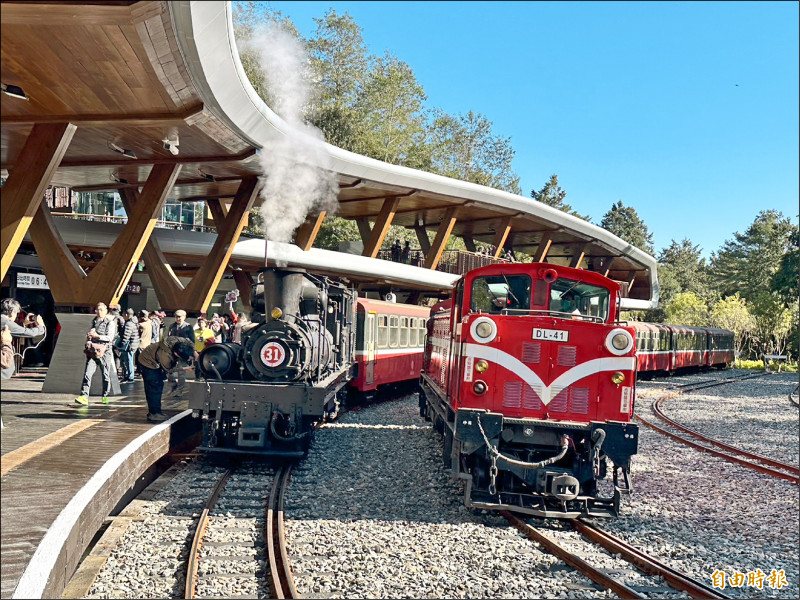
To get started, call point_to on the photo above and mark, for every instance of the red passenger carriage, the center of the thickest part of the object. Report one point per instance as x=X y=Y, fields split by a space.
x=530 y=379
x=390 y=341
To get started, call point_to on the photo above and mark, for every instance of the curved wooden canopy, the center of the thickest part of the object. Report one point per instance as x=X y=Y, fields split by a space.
x=131 y=74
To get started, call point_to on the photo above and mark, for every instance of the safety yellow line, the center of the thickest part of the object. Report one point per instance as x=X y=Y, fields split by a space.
x=16 y=457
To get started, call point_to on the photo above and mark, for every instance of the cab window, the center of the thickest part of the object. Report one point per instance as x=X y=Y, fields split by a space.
x=577 y=298
x=495 y=293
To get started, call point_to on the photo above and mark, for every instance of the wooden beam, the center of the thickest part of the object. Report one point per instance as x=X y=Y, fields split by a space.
x=160 y=160
x=27 y=181
x=202 y=287
x=577 y=256
x=469 y=242
x=307 y=232
x=97 y=120
x=106 y=281
x=167 y=286
x=607 y=266
x=67 y=14
x=503 y=229
x=422 y=238
x=442 y=235
x=243 y=282
x=137 y=184
x=381 y=227
x=544 y=246
x=364 y=229
x=197 y=294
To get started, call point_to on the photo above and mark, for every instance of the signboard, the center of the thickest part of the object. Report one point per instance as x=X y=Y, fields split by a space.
x=133 y=287
x=32 y=280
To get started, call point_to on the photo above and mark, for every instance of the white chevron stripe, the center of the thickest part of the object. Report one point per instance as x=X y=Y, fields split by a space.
x=566 y=379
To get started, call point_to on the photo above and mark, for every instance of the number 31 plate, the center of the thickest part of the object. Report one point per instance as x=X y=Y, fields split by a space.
x=551 y=335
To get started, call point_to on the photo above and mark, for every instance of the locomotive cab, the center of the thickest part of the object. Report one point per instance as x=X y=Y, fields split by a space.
x=530 y=379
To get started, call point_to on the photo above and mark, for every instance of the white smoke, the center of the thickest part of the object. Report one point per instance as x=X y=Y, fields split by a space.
x=297 y=180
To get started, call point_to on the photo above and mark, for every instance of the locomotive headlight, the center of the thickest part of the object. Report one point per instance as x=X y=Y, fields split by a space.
x=481 y=366
x=618 y=377
x=479 y=388
x=483 y=329
x=619 y=342
x=276 y=313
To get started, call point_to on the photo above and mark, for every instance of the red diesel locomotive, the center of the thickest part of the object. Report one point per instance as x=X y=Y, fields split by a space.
x=530 y=378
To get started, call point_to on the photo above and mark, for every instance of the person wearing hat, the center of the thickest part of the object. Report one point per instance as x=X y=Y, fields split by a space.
x=155 y=362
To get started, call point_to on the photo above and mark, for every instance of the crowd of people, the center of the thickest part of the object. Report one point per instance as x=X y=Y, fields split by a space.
x=135 y=345
x=405 y=254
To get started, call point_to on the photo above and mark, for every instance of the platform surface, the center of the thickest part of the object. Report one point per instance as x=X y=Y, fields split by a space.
x=51 y=447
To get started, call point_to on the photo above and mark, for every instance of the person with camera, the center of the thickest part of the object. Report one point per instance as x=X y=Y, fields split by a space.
x=155 y=362
x=98 y=353
x=33 y=327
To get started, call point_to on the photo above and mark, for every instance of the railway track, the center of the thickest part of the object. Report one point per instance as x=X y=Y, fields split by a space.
x=794 y=396
x=732 y=454
x=646 y=564
x=278 y=580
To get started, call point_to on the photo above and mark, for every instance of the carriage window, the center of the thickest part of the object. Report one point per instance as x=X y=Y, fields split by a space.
x=404 y=332
x=394 y=332
x=497 y=292
x=422 y=333
x=572 y=297
x=383 y=331
x=412 y=341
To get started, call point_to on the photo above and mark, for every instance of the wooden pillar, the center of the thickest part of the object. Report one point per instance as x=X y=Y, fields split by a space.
x=197 y=295
x=442 y=235
x=577 y=256
x=364 y=229
x=27 y=181
x=422 y=238
x=381 y=228
x=607 y=266
x=307 y=232
x=544 y=246
x=503 y=229
x=107 y=280
x=469 y=243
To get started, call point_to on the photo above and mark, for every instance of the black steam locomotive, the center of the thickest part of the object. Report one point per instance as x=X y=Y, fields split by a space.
x=265 y=395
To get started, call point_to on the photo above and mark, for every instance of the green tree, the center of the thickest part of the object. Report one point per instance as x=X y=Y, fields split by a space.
x=464 y=147
x=681 y=269
x=340 y=65
x=733 y=314
x=393 y=128
x=785 y=279
x=552 y=195
x=773 y=323
x=747 y=263
x=334 y=230
x=624 y=222
x=687 y=309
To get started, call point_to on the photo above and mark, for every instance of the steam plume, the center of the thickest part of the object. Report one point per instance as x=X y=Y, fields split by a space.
x=297 y=180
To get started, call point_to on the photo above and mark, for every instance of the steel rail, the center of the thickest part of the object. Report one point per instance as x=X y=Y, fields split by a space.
x=769 y=461
x=646 y=563
x=794 y=396
x=734 y=459
x=600 y=578
x=277 y=555
x=199 y=534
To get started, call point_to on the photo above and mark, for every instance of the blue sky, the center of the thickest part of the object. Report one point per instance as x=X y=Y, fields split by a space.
x=686 y=111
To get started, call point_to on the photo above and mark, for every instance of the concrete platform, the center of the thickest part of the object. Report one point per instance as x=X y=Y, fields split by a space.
x=65 y=467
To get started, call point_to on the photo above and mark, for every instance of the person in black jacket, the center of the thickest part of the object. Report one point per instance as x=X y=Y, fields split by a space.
x=129 y=344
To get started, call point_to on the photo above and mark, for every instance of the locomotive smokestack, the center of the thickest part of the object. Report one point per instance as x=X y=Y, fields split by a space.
x=286 y=289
